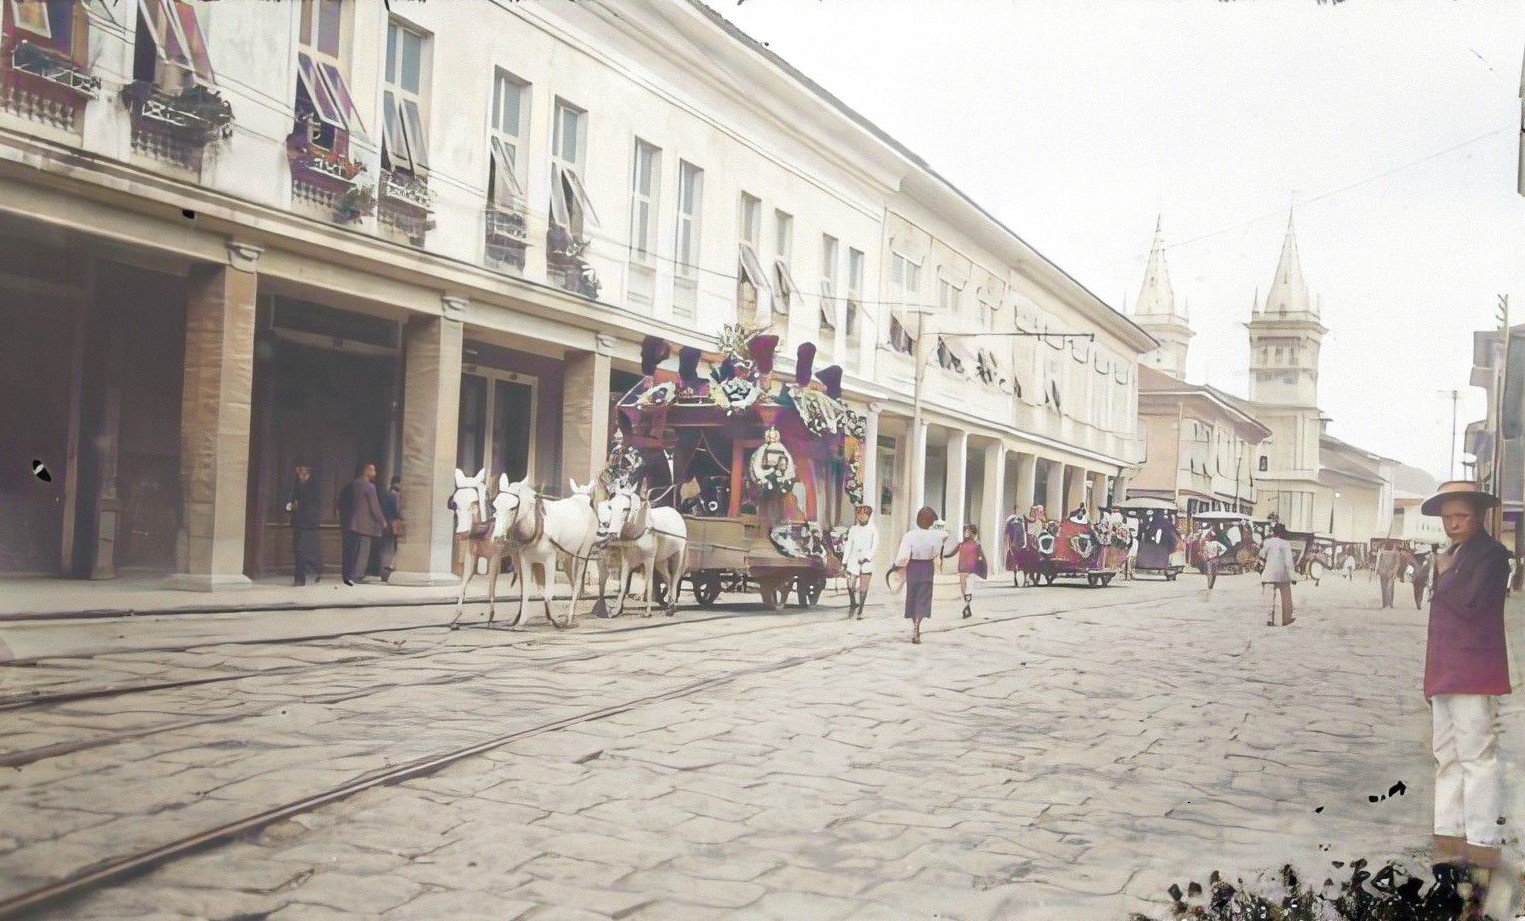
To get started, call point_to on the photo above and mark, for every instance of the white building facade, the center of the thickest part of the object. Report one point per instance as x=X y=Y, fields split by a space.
x=241 y=234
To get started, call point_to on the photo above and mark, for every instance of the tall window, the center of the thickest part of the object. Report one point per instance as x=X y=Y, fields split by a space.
x=323 y=97
x=947 y=297
x=829 y=251
x=568 y=137
x=690 y=206
x=750 y=216
x=851 y=315
x=690 y=198
x=571 y=209
x=783 y=277
x=405 y=143
x=170 y=50
x=510 y=114
x=61 y=25
x=644 y=177
x=753 y=291
x=905 y=279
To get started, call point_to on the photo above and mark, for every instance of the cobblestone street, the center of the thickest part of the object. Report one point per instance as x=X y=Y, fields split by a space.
x=1067 y=753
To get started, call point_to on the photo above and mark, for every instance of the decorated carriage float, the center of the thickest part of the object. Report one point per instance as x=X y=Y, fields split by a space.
x=1159 y=542
x=765 y=469
x=1075 y=548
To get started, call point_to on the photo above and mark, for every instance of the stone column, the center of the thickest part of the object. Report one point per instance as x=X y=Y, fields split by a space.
x=1120 y=486
x=993 y=506
x=1027 y=475
x=916 y=478
x=1098 y=494
x=1074 y=487
x=215 y=411
x=585 y=413
x=1053 y=500
x=431 y=411
x=955 y=480
x=871 y=456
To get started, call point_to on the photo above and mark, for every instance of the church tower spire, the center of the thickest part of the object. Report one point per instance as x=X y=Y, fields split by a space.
x=1157 y=312
x=1289 y=292
x=1285 y=335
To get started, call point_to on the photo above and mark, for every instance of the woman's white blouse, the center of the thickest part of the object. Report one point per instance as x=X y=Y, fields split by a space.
x=921 y=544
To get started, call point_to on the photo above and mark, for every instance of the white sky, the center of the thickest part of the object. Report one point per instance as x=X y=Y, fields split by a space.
x=1077 y=121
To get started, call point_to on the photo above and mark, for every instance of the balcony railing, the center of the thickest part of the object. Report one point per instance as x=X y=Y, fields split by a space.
x=566 y=262
x=55 y=68
x=507 y=235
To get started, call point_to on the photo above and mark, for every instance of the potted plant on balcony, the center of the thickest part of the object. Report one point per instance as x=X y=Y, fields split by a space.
x=197 y=115
x=358 y=202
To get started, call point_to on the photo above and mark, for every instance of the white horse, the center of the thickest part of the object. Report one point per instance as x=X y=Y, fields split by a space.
x=473 y=531
x=654 y=540
x=539 y=533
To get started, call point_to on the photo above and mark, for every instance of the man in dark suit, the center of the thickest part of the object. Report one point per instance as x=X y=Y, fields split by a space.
x=302 y=504
x=363 y=523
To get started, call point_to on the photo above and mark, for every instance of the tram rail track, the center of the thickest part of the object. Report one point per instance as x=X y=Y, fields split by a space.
x=23 y=757
x=112 y=870
x=42 y=697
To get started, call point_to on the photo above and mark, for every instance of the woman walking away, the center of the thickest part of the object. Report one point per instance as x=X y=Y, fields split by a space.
x=858 y=551
x=1278 y=573
x=918 y=549
x=1466 y=666
x=971 y=562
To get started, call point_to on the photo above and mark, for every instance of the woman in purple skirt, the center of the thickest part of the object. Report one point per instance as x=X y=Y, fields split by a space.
x=918 y=549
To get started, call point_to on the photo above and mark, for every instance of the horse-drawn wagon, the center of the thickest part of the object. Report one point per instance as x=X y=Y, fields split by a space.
x=763 y=467
x=1224 y=545
x=1153 y=522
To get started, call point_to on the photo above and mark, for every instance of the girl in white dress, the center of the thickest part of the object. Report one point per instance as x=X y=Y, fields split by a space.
x=858 y=551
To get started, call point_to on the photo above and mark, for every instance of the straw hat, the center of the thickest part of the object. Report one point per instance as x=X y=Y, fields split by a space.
x=1458 y=489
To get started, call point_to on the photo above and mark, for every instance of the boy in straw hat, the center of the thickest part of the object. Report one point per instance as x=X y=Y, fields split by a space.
x=1466 y=664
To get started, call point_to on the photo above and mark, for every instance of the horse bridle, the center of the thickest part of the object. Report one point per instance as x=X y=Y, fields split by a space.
x=479 y=499
x=539 y=518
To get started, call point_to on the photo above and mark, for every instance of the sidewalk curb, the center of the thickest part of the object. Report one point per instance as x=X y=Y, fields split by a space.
x=256 y=607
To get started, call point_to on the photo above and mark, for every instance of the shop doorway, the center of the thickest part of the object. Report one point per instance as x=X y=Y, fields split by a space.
x=497 y=424
x=326 y=391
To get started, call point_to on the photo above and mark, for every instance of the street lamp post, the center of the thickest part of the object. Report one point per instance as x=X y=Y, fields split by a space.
x=1331 y=513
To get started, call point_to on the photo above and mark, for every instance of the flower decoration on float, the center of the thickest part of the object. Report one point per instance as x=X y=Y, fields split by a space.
x=772 y=468
x=659 y=395
x=820 y=413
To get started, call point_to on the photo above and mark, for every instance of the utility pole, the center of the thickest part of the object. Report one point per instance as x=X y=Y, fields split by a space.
x=1455 y=395
x=1500 y=375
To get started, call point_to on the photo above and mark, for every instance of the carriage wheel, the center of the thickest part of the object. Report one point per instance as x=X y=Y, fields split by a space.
x=1106 y=580
x=808 y=590
x=1091 y=579
x=706 y=589
x=1048 y=576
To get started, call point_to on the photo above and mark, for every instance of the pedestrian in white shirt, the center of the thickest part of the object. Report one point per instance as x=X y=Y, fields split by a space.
x=858 y=550
x=1278 y=570
x=919 y=549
